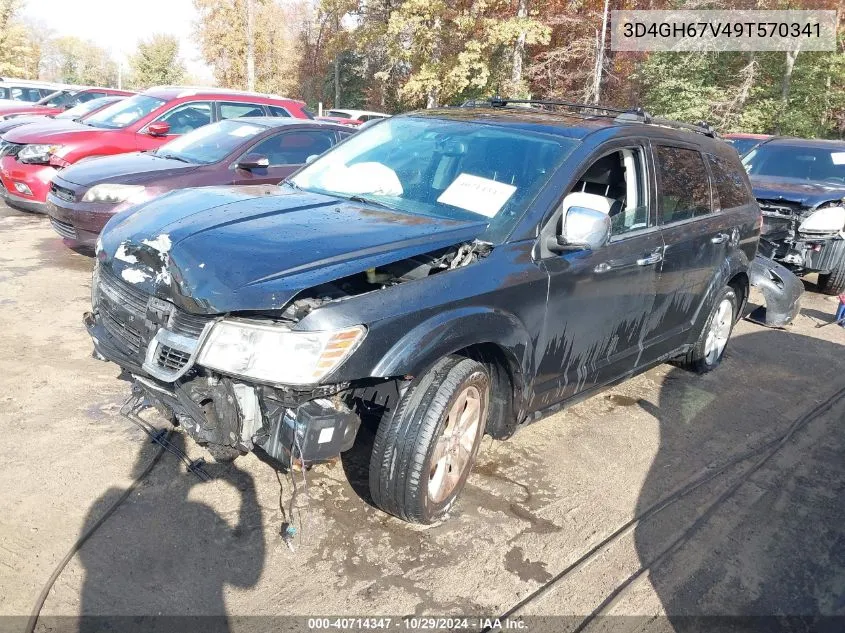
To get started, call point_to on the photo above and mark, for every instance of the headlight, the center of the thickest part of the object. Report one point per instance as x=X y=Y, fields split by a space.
x=112 y=193
x=275 y=354
x=37 y=153
x=829 y=220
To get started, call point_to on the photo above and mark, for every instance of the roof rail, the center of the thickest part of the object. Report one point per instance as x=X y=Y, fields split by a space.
x=620 y=115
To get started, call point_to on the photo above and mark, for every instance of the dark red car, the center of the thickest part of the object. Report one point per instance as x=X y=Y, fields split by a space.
x=241 y=151
x=58 y=101
x=30 y=158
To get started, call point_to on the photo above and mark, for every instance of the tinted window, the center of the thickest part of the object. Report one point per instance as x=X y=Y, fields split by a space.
x=277 y=111
x=294 y=148
x=729 y=183
x=187 y=117
x=211 y=143
x=26 y=94
x=801 y=163
x=234 y=110
x=684 y=186
x=125 y=112
x=60 y=99
x=742 y=145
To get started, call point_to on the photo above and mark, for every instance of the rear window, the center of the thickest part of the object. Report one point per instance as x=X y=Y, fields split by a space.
x=125 y=112
x=684 y=184
x=730 y=185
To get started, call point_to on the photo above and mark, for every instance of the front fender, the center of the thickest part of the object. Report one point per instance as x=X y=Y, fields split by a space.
x=453 y=330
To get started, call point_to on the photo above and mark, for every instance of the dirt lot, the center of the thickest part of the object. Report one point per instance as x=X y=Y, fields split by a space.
x=754 y=530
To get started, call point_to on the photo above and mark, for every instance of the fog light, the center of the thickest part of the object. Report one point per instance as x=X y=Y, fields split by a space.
x=23 y=188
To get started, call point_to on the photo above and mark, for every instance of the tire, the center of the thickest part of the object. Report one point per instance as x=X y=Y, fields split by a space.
x=710 y=348
x=833 y=283
x=418 y=467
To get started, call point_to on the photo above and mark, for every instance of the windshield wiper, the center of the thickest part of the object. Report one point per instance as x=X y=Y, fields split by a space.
x=174 y=157
x=375 y=203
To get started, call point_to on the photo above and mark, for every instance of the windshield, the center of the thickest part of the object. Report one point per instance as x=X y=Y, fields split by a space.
x=210 y=143
x=448 y=169
x=82 y=109
x=742 y=145
x=124 y=113
x=59 y=99
x=800 y=163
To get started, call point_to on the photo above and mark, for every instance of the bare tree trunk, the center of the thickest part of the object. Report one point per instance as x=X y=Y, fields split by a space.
x=337 y=80
x=519 y=48
x=433 y=92
x=599 y=68
x=250 y=45
x=785 y=85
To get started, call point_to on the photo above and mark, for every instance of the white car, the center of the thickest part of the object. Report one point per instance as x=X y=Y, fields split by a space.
x=362 y=116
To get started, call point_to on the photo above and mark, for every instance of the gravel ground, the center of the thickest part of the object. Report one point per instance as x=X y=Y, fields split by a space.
x=754 y=532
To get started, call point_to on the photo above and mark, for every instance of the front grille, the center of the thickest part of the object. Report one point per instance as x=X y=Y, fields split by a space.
x=171 y=358
x=63 y=228
x=10 y=149
x=62 y=193
x=781 y=207
x=153 y=332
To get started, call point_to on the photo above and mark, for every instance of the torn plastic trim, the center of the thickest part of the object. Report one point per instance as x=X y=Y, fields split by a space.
x=413 y=268
x=781 y=290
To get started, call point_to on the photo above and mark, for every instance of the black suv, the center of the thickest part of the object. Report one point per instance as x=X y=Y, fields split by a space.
x=800 y=185
x=442 y=275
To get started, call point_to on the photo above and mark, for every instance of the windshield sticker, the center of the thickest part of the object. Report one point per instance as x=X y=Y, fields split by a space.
x=245 y=130
x=838 y=158
x=479 y=195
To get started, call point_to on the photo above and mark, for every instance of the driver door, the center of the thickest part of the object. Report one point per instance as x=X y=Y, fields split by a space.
x=601 y=314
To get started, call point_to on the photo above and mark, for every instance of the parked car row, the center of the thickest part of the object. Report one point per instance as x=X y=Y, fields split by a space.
x=25 y=90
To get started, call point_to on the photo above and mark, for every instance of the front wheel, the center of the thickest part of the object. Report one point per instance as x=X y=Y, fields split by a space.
x=711 y=344
x=423 y=453
x=833 y=283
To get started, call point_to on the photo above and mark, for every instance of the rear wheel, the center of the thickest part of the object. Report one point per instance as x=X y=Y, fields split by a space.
x=833 y=283
x=423 y=454
x=711 y=344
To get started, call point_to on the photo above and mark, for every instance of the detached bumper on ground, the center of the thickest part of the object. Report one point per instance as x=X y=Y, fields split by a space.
x=781 y=290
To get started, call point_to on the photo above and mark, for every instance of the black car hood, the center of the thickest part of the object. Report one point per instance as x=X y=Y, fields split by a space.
x=126 y=168
x=808 y=194
x=225 y=249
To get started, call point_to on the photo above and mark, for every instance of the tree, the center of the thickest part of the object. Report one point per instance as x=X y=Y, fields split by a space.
x=157 y=63
x=76 y=61
x=20 y=53
x=223 y=34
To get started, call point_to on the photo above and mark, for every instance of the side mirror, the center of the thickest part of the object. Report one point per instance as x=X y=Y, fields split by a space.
x=253 y=161
x=583 y=229
x=159 y=128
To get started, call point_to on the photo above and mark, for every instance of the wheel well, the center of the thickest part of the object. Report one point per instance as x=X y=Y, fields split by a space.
x=506 y=384
x=740 y=284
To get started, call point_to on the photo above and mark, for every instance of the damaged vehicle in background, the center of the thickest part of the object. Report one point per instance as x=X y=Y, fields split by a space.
x=438 y=276
x=800 y=186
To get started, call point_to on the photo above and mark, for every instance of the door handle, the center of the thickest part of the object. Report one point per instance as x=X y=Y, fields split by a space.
x=720 y=238
x=654 y=258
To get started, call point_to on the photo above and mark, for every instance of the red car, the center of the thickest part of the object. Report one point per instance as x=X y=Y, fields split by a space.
x=58 y=101
x=30 y=158
x=248 y=151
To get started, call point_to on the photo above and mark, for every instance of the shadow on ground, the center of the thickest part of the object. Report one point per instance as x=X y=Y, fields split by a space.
x=764 y=542
x=145 y=562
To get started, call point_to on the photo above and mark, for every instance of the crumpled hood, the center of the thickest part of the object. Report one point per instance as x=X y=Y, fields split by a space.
x=127 y=168
x=224 y=249
x=808 y=194
x=56 y=132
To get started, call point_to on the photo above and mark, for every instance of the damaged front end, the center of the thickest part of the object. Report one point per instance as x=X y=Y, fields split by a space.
x=803 y=238
x=253 y=380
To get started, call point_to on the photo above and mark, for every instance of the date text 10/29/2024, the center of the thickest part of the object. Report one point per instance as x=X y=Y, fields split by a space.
x=421 y=623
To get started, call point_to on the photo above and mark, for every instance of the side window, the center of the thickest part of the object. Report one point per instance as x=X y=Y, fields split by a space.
x=88 y=96
x=233 y=110
x=730 y=185
x=294 y=148
x=684 y=184
x=615 y=184
x=188 y=116
x=278 y=111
